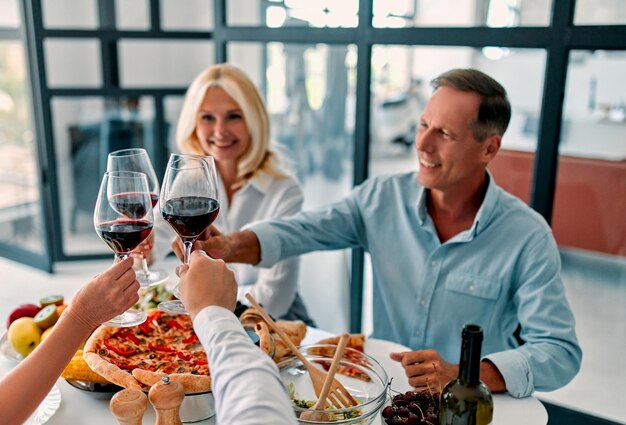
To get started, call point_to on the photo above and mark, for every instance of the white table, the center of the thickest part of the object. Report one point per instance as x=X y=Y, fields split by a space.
x=81 y=407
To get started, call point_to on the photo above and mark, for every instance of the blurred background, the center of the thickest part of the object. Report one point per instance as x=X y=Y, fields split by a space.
x=345 y=82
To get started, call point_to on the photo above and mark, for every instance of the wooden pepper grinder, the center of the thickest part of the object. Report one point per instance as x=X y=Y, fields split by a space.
x=128 y=406
x=166 y=397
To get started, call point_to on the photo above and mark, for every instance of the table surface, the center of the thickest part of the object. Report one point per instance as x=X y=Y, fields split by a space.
x=78 y=407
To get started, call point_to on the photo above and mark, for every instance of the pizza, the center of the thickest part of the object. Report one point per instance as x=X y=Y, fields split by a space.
x=139 y=356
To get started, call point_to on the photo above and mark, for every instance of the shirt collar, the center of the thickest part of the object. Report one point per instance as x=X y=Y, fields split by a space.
x=483 y=214
x=486 y=208
x=260 y=181
x=421 y=204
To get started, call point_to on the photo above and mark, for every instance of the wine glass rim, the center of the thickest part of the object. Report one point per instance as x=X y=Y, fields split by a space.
x=175 y=158
x=125 y=174
x=128 y=152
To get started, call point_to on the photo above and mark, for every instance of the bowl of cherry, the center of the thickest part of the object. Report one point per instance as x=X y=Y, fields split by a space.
x=411 y=408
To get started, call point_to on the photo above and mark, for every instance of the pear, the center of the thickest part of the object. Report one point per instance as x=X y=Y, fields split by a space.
x=24 y=335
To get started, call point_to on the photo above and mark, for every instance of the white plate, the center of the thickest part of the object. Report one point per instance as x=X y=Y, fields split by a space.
x=379 y=349
x=46 y=409
x=7 y=351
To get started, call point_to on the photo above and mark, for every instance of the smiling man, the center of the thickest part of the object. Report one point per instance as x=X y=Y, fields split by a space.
x=448 y=247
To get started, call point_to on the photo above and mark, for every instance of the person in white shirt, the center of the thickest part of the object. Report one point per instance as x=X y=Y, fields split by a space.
x=246 y=384
x=224 y=116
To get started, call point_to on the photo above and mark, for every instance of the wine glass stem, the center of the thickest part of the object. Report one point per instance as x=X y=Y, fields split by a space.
x=122 y=256
x=188 y=245
x=144 y=266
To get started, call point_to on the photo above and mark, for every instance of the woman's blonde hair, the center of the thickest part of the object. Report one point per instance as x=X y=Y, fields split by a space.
x=237 y=85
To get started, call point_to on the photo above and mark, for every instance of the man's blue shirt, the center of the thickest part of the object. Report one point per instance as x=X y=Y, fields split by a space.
x=503 y=271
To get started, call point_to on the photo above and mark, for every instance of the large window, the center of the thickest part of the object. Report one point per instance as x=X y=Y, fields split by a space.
x=344 y=83
x=22 y=227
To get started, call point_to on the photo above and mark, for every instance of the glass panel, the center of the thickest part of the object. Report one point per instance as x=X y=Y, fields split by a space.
x=461 y=13
x=70 y=14
x=162 y=63
x=73 y=63
x=187 y=15
x=401 y=87
x=132 y=14
x=172 y=106
x=85 y=131
x=307 y=13
x=600 y=12
x=20 y=209
x=593 y=153
x=10 y=16
x=310 y=91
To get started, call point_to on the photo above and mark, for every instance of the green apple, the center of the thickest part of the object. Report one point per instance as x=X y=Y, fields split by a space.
x=24 y=335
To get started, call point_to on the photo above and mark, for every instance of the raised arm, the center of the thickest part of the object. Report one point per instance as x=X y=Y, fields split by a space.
x=246 y=384
x=105 y=296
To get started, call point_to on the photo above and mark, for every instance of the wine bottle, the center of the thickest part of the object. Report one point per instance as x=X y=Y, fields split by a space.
x=466 y=400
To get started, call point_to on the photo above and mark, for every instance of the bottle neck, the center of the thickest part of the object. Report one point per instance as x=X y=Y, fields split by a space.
x=469 y=366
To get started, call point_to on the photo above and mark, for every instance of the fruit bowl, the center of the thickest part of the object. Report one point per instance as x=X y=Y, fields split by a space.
x=7 y=351
x=367 y=383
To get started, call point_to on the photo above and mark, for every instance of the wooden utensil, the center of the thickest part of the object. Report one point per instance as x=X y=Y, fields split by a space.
x=166 y=397
x=128 y=406
x=315 y=414
x=339 y=396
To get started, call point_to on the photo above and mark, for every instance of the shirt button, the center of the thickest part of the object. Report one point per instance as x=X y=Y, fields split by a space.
x=434 y=264
x=471 y=288
x=423 y=302
x=418 y=333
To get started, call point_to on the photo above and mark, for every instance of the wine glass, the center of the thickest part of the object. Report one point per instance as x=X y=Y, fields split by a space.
x=137 y=160
x=189 y=203
x=123 y=218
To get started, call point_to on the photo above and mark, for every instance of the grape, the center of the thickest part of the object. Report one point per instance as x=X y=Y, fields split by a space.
x=412 y=419
x=415 y=407
x=403 y=411
x=389 y=412
x=410 y=396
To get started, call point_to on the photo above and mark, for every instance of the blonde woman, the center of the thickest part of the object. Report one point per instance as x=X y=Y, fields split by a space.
x=224 y=116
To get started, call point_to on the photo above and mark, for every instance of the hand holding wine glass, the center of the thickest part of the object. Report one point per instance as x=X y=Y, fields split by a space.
x=189 y=203
x=137 y=160
x=123 y=217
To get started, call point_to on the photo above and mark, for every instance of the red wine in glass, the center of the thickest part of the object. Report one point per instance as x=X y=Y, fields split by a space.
x=123 y=218
x=189 y=203
x=190 y=215
x=154 y=197
x=137 y=159
x=123 y=235
x=129 y=204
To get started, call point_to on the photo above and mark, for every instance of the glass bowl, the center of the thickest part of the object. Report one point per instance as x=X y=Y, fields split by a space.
x=368 y=383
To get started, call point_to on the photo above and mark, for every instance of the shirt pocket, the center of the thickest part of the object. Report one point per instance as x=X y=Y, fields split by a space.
x=474 y=286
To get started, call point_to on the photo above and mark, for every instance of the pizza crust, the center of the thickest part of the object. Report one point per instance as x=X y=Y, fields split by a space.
x=192 y=383
x=110 y=372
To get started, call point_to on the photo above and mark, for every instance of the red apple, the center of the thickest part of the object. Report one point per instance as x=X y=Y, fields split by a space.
x=25 y=310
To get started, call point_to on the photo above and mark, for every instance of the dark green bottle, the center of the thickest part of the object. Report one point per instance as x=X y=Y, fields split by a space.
x=466 y=400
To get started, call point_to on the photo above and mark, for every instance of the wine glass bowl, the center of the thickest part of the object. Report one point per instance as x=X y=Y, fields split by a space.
x=189 y=203
x=137 y=160
x=123 y=218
